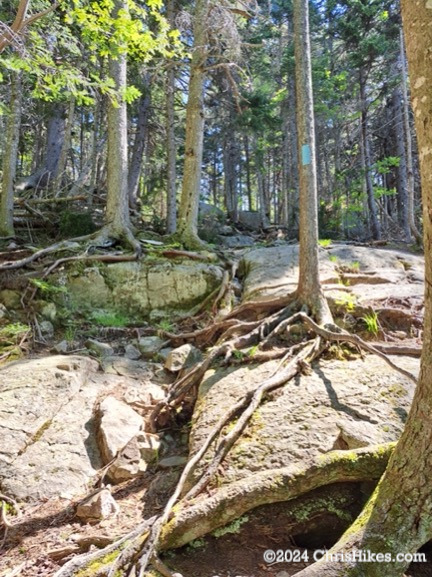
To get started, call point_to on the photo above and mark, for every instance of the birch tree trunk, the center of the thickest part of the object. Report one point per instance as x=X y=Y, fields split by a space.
x=397 y=520
x=309 y=291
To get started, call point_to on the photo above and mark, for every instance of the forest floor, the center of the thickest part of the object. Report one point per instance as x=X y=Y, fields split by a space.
x=46 y=534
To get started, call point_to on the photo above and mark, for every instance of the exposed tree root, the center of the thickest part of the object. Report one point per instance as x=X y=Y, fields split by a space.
x=271 y=486
x=308 y=354
x=195 y=515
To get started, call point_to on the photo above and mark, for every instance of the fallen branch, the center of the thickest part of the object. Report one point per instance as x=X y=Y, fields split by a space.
x=82 y=561
x=174 y=253
x=30 y=201
x=93 y=257
x=63 y=245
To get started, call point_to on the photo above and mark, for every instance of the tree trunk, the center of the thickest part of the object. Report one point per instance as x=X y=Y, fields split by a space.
x=187 y=225
x=376 y=231
x=398 y=517
x=309 y=290
x=230 y=159
x=170 y=136
x=10 y=157
x=248 y=172
x=135 y=168
x=46 y=174
x=402 y=180
x=117 y=223
x=409 y=148
x=66 y=145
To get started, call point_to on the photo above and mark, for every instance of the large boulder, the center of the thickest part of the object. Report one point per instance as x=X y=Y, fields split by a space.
x=48 y=429
x=340 y=405
x=138 y=289
x=348 y=273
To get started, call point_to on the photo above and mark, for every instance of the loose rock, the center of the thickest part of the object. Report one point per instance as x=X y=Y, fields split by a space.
x=100 y=349
x=182 y=357
x=96 y=507
x=149 y=346
x=118 y=425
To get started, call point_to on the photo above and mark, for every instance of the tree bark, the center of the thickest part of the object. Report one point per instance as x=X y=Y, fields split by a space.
x=10 y=157
x=309 y=290
x=402 y=177
x=409 y=147
x=375 y=226
x=170 y=136
x=187 y=224
x=117 y=223
x=47 y=173
x=398 y=517
x=135 y=168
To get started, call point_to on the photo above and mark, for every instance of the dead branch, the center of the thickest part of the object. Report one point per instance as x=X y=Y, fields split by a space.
x=93 y=257
x=30 y=201
x=81 y=561
x=174 y=253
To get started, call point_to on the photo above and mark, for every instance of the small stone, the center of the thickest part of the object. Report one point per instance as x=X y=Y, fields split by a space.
x=149 y=346
x=61 y=347
x=132 y=353
x=282 y=574
x=96 y=507
x=175 y=461
x=3 y=311
x=127 y=465
x=163 y=353
x=100 y=349
x=46 y=328
x=182 y=357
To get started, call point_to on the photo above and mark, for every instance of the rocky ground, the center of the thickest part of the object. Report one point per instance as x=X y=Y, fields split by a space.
x=74 y=425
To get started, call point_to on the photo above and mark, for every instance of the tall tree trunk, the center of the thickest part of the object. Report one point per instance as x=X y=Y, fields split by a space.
x=46 y=174
x=261 y=196
x=135 y=168
x=309 y=290
x=397 y=520
x=402 y=180
x=375 y=226
x=117 y=223
x=230 y=159
x=409 y=147
x=66 y=145
x=10 y=157
x=187 y=224
x=248 y=172
x=170 y=136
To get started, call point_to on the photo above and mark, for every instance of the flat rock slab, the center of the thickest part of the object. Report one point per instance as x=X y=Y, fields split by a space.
x=341 y=405
x=273 y=272
x=48 y=445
